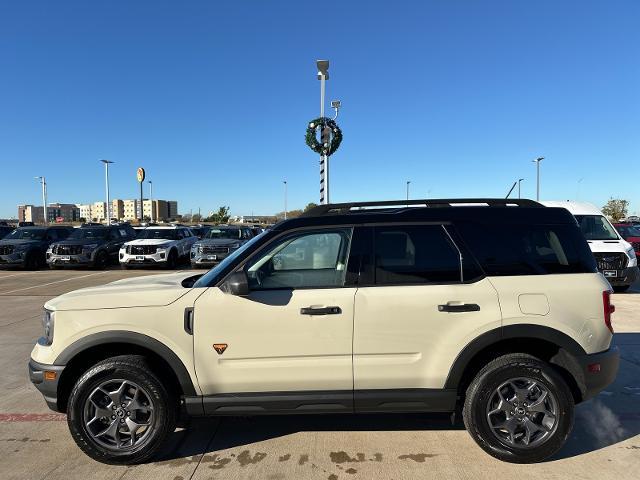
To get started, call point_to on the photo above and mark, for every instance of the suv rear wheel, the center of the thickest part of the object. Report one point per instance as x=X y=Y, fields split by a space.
x=119 y=412
x=519 y=409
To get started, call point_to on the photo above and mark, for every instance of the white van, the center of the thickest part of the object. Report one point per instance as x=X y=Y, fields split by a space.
x=615 y=256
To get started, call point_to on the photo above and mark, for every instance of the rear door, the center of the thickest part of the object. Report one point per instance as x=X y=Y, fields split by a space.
x=420 y=301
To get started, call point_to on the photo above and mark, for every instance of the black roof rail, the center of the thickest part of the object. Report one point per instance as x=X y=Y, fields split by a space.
x=397 y=205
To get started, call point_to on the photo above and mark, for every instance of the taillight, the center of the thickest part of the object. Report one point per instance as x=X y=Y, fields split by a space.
x=608 y=309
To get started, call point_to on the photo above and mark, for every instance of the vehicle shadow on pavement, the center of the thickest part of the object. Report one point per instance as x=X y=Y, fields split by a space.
x=234 y=432
x=610 y=418
x=614 y=415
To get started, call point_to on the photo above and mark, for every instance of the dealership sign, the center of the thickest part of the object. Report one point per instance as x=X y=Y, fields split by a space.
x=140 y=174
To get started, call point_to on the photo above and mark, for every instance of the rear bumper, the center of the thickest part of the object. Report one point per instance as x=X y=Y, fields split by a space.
x=48 y=388
x=599 y=370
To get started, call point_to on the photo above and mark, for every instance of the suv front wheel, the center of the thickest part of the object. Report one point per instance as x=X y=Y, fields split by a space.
x=519 y=409
x=119 y=412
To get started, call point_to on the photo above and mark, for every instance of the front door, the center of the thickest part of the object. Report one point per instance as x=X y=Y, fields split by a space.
x=422 y=303
x=293 y=332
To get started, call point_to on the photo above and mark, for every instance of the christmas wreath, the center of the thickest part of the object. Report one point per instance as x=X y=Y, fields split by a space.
x=312 y=139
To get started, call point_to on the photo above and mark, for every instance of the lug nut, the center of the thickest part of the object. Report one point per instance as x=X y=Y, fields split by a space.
x=113 y=417
x=121 y=420
x=113 y=407
x=123 y=405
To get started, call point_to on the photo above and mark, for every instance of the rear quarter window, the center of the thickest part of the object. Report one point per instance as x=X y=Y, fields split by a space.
x=518 y=249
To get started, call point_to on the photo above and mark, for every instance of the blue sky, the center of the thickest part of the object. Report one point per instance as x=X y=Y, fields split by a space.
x=213 y=98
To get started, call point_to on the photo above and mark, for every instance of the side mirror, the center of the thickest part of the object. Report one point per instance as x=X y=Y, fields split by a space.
x=237 y=284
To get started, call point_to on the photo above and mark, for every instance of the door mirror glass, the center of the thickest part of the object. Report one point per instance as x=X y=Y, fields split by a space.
x=236 y=284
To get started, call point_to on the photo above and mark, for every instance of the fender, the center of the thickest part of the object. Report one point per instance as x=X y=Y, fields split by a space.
x=491 y=337
x=133 y=338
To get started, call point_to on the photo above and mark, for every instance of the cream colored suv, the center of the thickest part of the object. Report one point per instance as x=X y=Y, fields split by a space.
x=491 y=307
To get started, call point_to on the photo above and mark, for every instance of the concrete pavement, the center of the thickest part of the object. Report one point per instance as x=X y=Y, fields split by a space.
x=35 y=444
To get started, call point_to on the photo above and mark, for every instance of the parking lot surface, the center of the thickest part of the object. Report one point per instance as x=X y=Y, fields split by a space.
x=35 y=443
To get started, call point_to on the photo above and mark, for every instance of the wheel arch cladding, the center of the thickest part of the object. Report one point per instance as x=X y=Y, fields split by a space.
x=82 y=354
x=546 y=343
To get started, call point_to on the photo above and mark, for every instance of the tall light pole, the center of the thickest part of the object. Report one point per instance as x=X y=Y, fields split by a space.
x=519 y=182
x=106 y=183
x=151 y=198
x=285 y=199
x=537 y=162
x=43 y=182
x=408 y=183
x=323 y=76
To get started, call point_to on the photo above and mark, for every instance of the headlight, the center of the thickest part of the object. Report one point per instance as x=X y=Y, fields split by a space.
x=234 y=246
x=48 y=319
x=631 y=253
x=90 y=246
x=20 y=247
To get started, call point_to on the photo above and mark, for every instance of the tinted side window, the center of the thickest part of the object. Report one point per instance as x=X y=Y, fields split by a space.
x=415 y=254
x=528 y=249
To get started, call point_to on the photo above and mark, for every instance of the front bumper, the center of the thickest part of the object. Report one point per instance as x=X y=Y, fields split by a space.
x=12 y=260
x=48 y=388
x=624 y=277
x=69 y=260
x=599 y=370
x=158 y=258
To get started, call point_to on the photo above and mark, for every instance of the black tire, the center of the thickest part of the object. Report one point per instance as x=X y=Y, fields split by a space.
x=172 y=259
x=102 y=260
x=162 y=422
x=31 y=261
x=621 y=288
x=484 y=387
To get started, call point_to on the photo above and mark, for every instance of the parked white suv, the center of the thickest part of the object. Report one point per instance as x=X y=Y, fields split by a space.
x=164 y=246
x=615 y=256
x=494 y=308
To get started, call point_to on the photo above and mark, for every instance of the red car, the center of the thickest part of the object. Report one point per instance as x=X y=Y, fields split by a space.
x=631 y=233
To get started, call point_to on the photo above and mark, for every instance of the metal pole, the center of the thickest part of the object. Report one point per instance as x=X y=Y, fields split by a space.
x=408 y=182
x=324 y=167
x=285 y=199
x=141 y=203
x=106 y=175
x=43 y=181
x=519 y=181
x=538 y=181
x=151 y=198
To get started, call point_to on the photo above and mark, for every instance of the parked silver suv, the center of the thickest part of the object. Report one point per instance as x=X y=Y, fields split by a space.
x=217 y=244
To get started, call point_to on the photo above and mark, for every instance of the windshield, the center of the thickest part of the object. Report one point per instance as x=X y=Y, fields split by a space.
x=628 y=231
x=159 y=233
x=208 y=277
x=596 y=227
x=26 y=234
x=232 y=233
x=88 y=234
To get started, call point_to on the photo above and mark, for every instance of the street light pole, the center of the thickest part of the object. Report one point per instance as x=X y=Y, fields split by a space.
x=323 y=76
x=408 y=183
x=151 y=198
x=285 y=199
x=43 y=182
x=537 y=162
x=519 y=181
x=106 y=182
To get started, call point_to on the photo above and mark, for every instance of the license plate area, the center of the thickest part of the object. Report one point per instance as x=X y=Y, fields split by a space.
x=212 y=257
x=65 y=258
x=610 y=273
x=140 y=258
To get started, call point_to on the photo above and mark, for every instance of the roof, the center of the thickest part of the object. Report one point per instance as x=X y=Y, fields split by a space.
x=576 y=208
x=436 y=210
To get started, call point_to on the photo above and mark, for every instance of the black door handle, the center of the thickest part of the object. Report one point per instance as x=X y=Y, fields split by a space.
x=320 y=311
x=188 y=320
x=462 y=307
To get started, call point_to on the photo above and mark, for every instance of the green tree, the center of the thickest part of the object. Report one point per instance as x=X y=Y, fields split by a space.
x=222 y=215
x=616 y=209
x=309 y=206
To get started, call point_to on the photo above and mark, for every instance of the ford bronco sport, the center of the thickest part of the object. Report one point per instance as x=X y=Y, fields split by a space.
x=493 y=307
